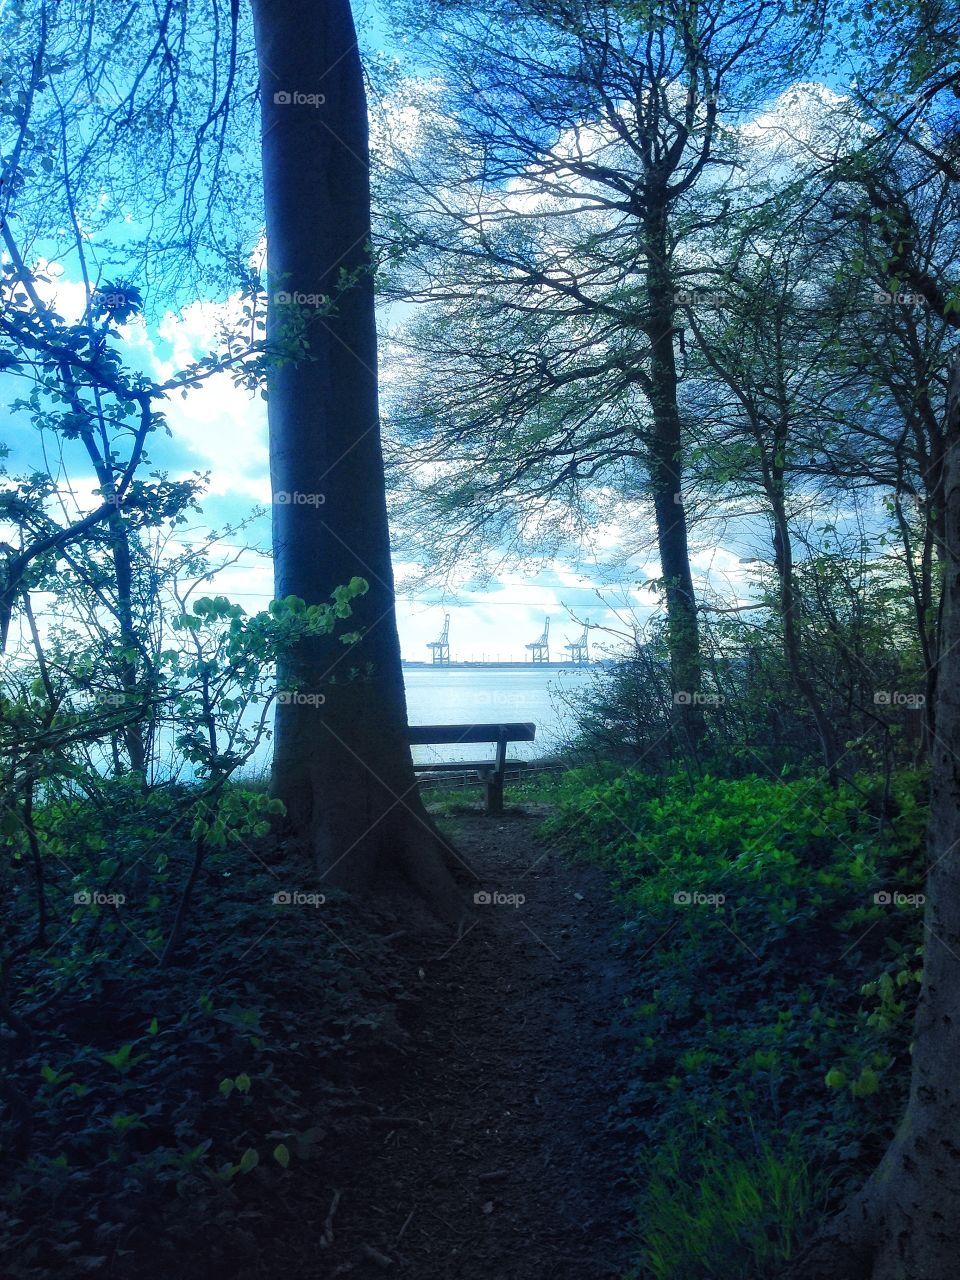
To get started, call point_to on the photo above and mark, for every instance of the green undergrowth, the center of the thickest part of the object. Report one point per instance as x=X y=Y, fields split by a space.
x=152 y=1113
x=775 y=933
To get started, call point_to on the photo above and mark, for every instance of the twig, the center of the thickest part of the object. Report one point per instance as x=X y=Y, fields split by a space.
x=376 y=1256
x=326 y=1238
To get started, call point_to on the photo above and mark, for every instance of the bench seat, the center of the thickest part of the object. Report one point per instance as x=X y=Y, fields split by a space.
x=490 y=771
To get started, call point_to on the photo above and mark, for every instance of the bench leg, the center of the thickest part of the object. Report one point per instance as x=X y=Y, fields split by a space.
x=495 y=779
x=494 y=785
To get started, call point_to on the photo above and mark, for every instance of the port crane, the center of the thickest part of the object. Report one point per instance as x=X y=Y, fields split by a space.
x=441 y=646
x=540 y=649
x=579 y=650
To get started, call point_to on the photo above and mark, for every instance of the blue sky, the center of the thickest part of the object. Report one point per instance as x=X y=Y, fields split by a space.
x=222 y=430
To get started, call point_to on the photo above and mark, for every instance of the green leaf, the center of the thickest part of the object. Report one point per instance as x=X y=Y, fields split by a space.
x=281 y=1155
x=867 y=1083
x=120 y=1059
x=249 y=1160
x=125 y=1120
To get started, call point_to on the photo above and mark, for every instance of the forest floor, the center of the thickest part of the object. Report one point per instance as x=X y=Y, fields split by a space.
x=357 y=1091
x=496 y=1151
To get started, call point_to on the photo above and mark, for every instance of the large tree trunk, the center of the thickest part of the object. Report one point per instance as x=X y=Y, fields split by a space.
x=905 y=1223
x=342 y=763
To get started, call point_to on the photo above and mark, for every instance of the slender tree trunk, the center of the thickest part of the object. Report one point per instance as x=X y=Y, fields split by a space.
x=666 y=471
x=134 y=735
x=905 y=1223
x=783 y=563
x=342 y=763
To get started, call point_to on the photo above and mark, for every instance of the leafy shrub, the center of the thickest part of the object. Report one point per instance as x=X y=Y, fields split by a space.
x=774 y=990
x=857 y=635
x=146 y=1107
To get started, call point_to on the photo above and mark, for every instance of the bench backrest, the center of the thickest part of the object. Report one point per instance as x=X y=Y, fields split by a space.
x=425 y=735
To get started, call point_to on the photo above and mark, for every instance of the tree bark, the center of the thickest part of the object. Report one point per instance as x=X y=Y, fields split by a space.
x=905 y=1224
x=772 y=467
x=134 y=734
x=342 y=763
x=666 y=471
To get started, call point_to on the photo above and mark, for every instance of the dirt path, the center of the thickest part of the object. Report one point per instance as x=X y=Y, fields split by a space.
x=500 y=1158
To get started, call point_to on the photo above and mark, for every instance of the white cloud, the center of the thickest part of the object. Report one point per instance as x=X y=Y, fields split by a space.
x=217 y=426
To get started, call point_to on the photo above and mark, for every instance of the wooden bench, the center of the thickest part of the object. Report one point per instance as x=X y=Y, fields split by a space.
x=490 y=771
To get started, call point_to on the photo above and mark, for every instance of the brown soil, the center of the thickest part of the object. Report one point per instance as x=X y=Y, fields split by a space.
x=493 y=1149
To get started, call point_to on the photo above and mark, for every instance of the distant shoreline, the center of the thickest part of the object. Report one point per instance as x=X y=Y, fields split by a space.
x=518 y=666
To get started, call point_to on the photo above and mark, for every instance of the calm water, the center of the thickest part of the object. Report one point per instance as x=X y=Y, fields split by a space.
x=437 y=695
x=472 y=695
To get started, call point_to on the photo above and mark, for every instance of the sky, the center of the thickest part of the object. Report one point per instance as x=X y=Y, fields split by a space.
x=222 y=430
